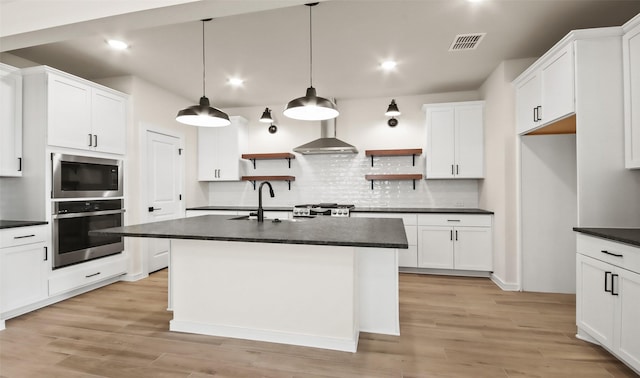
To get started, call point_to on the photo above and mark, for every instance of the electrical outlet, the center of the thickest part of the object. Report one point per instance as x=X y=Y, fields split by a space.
x=459 y=204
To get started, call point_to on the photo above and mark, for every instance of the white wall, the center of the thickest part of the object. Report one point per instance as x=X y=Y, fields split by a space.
x=498 y=189
x=340 y=178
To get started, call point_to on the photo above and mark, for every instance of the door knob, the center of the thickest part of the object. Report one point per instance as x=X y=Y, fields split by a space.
x=152 y=209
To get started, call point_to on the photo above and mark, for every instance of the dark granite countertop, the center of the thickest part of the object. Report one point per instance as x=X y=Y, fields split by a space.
x=357 y=232
x=419 y=210
x=19 y=223
x=623 y=235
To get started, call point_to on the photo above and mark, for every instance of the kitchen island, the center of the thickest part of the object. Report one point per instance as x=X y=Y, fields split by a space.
x=311 y=281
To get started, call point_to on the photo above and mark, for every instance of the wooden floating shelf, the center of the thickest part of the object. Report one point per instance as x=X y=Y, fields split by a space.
x=402 y=152
x=269 y=156
x=253 y=179
x=409 y=176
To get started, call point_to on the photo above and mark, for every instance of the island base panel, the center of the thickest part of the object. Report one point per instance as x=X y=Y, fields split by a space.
x=284 y=293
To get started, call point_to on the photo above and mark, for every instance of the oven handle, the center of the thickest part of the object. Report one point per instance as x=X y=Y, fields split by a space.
x=87 y=214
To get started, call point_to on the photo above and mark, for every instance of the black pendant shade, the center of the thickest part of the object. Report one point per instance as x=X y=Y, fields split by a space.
x=392 y=110
x=311 y=107
x=203 y=114
x=266 y=116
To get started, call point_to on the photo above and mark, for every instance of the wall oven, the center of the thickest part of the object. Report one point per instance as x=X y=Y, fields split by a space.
x=85 y=177
x=72 y=221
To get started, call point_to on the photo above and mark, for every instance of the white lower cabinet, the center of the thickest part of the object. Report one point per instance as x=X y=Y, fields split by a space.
x=607 y=296
x=91 y=272
x=455 y=241
x=23 y=267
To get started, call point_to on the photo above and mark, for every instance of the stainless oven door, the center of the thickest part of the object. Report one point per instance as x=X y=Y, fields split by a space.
x=72 y=243
x=84 y=177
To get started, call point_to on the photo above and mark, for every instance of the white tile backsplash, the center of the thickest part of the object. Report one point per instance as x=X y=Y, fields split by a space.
x=340 y=178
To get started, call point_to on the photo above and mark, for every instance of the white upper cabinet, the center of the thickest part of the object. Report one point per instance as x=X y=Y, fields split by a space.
x=545 y=93
x=455 y=140
x=10 y=121
x=631 y=63
x=220 y=150
x=79 y=114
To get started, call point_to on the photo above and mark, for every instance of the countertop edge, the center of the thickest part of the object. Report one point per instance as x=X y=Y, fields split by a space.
x=256 y=240
x=611 y=234
x=17 y=224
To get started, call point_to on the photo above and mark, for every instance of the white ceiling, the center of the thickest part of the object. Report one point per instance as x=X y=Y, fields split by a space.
x=269 y=48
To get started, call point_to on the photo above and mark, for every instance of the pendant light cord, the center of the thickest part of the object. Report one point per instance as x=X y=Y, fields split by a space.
x=310 y=49
x=203 y=62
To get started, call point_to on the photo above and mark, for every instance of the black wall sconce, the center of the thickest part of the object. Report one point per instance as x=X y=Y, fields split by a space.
x=267 y=118
x=392 y=111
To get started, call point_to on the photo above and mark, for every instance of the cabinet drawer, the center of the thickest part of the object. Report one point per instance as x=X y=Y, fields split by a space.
x=628 y=257
x=82 y=276
x=454 y=220
x=407 y=219
x=12 y=237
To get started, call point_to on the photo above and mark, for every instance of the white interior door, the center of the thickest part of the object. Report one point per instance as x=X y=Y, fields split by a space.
x=163 y=191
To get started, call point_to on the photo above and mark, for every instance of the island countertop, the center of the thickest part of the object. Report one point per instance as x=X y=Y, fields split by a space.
x=356 y=232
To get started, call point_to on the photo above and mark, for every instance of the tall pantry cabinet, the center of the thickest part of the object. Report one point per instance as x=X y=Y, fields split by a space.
x=631 y=64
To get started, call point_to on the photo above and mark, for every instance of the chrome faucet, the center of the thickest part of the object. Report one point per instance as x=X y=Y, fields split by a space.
x=271 y=193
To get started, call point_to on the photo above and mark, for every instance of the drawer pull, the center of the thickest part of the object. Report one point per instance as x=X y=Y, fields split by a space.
x=92 y=275
x=612 y=254
x=453 y=220
x=24 y=236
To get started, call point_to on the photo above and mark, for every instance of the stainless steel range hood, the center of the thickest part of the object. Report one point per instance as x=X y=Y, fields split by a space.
x=327 y=143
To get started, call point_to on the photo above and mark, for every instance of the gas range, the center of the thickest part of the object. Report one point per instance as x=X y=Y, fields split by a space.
x=330 y=209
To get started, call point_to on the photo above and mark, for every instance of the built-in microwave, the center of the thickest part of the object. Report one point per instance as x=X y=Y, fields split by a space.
x=83 y=177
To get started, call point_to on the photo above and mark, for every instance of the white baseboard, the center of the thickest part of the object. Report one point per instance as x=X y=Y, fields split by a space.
x=344 y=345
x=503 y=285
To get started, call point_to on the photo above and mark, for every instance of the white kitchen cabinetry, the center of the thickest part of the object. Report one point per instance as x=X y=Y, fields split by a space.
x=455 y=140
x=407 y=258
x=631 y=64
x=10 y=121
x=78 y=114
x=546 y=93
x=220 y=150
x=607 y=292
x=455 y=241
x=23 y=267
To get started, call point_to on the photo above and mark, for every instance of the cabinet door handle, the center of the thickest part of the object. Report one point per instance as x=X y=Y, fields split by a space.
x=95 y=140
x=612 y=254
x=535 y=116
x=606 y=281
x=457 y=166
x=46 y=257
x=613 y=286
x=452 y=169
x=456 y=235
x=19 y=164
x=92 y=275
x=451 y=235
x=90 y=139
x=538 y=109
x=24 y=236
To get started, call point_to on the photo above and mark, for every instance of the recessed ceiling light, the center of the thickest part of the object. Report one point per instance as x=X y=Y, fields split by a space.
x=388 y=65
x=236 y=81
x=117 y=45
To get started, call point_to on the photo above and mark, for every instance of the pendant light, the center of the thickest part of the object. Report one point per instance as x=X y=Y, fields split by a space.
x=392 y=111
x=203 y=114
x=311 y=107
x=266 y=116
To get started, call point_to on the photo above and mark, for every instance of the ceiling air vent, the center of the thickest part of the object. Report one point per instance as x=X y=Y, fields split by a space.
x=464 y=42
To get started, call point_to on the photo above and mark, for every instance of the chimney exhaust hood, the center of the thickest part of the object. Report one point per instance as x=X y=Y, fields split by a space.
x=327 y=143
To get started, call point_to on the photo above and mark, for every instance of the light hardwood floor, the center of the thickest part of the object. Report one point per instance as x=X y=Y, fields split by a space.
x=451 y=327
